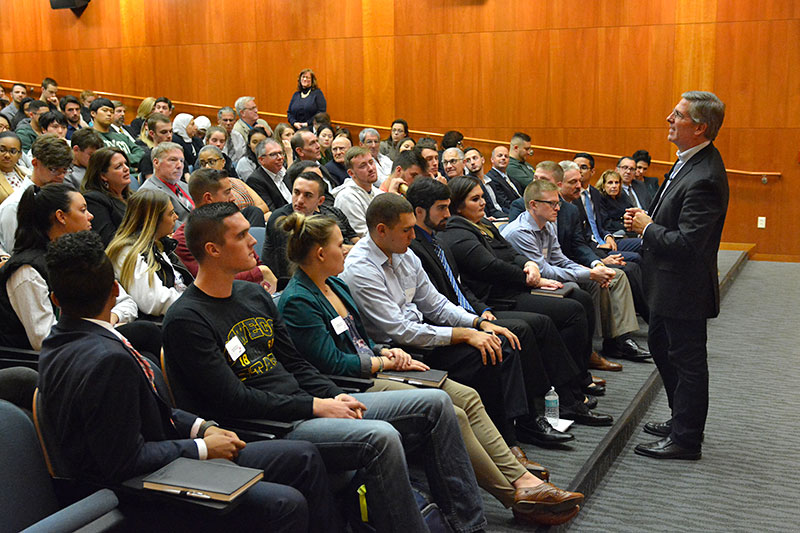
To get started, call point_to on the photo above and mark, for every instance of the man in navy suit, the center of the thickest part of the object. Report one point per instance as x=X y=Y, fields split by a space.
x=505 y=190
x=681 y=238
x=636 y=191
x=110 y=422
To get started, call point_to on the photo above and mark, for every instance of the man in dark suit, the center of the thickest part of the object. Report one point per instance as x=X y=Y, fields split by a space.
x=681 y=238
x=270 y=180
x=505 y=190
x=110 y=422
x=636 y=191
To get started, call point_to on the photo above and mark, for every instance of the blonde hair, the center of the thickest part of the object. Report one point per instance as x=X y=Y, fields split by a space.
x=137 y=233
x=305 y=233
x=608 y=174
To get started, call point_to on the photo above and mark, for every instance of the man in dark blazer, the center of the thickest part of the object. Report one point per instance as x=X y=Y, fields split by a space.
x=505 y=190
x=681 y=238
x=642 y=159
x=110 y=421
x=270 y=180
x=635 y=190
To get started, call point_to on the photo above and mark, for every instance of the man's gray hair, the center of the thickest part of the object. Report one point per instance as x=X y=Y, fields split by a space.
x=706 y=108
x=457 y=151
x=226 y=109
x=241 y=102
x=261 y=149
x=567 y=165
x=161 y=149
x=213 y=149
x=368 y=131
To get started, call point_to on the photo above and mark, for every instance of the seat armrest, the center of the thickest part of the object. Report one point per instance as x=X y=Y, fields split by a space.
x=81 y=515
x=351 y=384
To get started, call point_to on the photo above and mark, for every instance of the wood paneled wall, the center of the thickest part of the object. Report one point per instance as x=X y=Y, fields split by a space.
x=597 y=76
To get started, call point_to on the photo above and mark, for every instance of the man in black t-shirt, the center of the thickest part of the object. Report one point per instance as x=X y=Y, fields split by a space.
x=232 y=355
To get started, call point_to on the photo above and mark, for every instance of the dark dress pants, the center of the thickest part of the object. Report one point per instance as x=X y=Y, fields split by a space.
x=679 y=351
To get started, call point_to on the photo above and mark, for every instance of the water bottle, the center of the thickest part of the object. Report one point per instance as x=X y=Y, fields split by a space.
x=551 y=406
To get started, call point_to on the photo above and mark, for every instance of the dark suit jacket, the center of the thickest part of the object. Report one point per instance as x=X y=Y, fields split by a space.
x=337 y=172
x=423 y=249
x=652 y=185
x=679 y=250
x=597 y=198
x=260 y=182
x=504 y=193
x=108 y=422
x=108 y=213
x=642 y=192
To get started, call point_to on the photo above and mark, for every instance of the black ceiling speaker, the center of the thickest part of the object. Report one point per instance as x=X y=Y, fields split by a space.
x=76 y=5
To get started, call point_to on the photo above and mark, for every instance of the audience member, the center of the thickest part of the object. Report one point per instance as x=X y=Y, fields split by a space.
x=106 y=187
x=398 y=132
x=335 y=167
x=315 y=300
x=218 y=316
x=270 y=180
x=71 y=108
x=26 y=312
x=28 y=128
x=208 y=186
x=84 y=143
x=90 y=375
x=247 y=110
x=370 y=139
x=613 y=203
x=243 y=195
x=18 y=92
x=12 y=175
x=407 y=167
x=54 y=122
x=249 y=163
x=308 y=198
x=142 y=113
x=102 y=114
x=283 y=134
x=118 y=121
x=325 y=135
x=427 y=148
x=235 y=143
x=635 y=190
x=307 y=101
x=306 y=147
x=86 y=98
x=217 y=137
x=157 y=129
x=163 y=105
x=144 y=262
x=407 y=144
x=642 y=159
x=184 y=132
x=318 y=120
x=168 y=167
x=51 y=158
x=50 y=93
x=355 y=194
x=518 y=169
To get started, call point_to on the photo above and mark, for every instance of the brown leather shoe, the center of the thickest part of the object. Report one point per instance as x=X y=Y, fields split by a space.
x=545 y=498
x=534 y=468
x=598 y=381
x=546 y=519
x=598 y=362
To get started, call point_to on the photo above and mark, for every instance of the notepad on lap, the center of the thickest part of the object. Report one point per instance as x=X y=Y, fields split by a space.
x=215 y=480
x=423 y=378
x=563 y=292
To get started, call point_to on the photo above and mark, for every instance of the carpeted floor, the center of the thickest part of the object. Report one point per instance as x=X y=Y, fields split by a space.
x=748 y=478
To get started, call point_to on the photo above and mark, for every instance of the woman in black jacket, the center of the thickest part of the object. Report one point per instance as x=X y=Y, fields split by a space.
x=498 y=275
x=613 y=204
x=106 y=187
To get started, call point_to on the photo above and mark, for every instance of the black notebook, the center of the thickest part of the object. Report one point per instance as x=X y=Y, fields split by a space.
x=423 y=378
x=214 y=479
x=553 y=293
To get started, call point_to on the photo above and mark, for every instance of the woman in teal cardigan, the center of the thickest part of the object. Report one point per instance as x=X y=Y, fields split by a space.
x=325 y=325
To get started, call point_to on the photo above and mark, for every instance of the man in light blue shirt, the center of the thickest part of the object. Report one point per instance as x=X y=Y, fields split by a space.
x=534 y=235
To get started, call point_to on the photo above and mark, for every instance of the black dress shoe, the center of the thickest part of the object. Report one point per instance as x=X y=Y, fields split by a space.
x=590 y=402
x=659 y=429
x=585 y=416
x=594 y=390
x=666 y=448
x=630 y=347
x=620 y=349
x=539 y=431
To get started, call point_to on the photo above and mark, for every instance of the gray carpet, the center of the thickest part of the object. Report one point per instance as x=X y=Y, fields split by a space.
x=748 y=478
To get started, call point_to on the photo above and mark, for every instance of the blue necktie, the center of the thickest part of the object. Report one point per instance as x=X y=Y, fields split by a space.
x=590 y=215
x=462 y=300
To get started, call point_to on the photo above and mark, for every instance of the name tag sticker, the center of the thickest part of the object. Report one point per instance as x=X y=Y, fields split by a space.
x=545 y=252
x=234 y=348
x=339 y=325
x=410 y=294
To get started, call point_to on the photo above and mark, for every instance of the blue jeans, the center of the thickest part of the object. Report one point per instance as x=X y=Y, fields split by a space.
x=419 y=420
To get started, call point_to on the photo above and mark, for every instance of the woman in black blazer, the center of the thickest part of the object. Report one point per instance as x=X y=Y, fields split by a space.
x=613 y=204
x=106 y=187
x=503 y=278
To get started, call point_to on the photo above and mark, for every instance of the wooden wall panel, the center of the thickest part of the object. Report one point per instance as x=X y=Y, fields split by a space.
x=599 y=76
